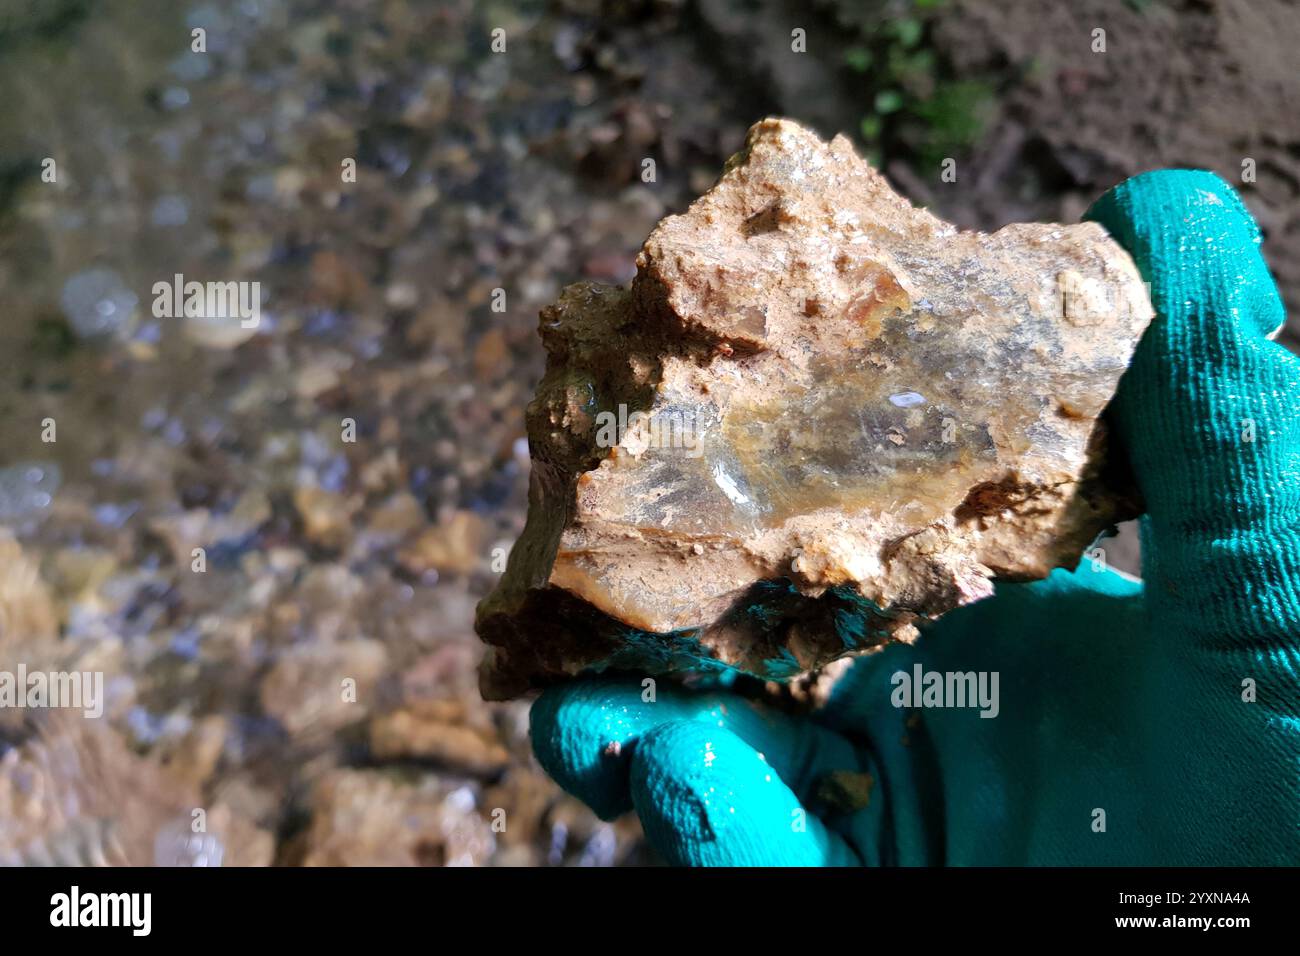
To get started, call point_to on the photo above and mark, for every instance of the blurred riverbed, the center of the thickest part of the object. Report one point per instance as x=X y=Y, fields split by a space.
x=326 y=560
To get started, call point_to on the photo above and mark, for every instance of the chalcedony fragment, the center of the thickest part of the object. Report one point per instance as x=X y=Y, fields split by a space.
x=817 y=416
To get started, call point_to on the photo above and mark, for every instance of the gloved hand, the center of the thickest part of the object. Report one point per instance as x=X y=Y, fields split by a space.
x=1154 y=723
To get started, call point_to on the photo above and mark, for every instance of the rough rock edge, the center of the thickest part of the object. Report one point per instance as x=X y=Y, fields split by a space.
x=538 y=632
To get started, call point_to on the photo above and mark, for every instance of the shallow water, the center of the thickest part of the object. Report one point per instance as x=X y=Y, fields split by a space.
x=232 y=523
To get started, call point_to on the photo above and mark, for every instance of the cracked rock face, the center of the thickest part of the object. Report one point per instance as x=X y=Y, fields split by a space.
x=817 y=416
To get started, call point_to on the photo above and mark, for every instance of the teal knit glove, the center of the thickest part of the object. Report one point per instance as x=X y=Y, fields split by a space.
x=1132 y=724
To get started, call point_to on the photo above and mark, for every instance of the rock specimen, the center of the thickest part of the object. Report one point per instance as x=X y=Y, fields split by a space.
x=817 y=416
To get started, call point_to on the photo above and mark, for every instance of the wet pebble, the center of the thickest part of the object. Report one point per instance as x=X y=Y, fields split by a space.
x=99 y=305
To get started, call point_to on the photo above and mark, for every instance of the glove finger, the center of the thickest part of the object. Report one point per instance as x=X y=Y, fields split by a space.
x=585 y=731
x=707 y=798
x=1208 y=411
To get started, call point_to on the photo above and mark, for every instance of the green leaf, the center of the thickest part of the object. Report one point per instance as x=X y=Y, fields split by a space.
x=888 y=101
x=908 y=32
x=858 y=58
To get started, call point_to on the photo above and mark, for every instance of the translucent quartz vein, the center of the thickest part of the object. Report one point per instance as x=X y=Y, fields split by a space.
x=814 y=398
